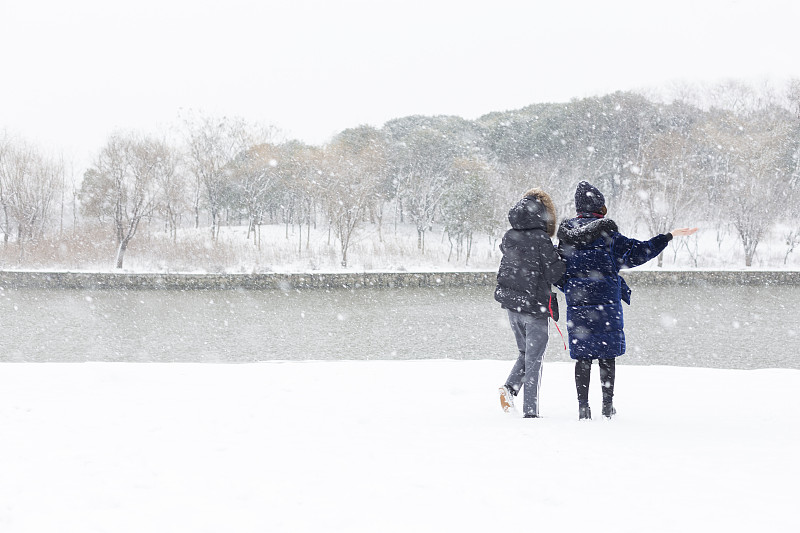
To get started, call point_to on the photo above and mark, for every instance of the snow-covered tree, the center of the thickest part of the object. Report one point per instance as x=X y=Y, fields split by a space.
x=253 y=179
x=467 y=205
x=29 y=186
x=757 y=182
x=123 y=184
x=421 y=154
x=353 y=164
x=211 y=144
x=667 y=179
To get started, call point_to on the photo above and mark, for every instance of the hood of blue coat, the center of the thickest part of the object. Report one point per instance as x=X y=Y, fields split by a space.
x=534 y=211
x=583 y=231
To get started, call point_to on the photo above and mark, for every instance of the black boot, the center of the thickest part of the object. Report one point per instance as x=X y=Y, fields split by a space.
x=583 y=372
x=607 y=378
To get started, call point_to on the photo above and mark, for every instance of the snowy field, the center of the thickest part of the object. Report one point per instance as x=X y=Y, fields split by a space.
x=384 y=446
x=393 y=249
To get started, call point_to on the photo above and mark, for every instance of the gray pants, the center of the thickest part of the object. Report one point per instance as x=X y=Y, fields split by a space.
x=531 y=335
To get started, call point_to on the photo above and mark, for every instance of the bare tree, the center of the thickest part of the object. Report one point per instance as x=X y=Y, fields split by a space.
x=352 y=167
x=793 y=96
x=740 y=97
x=666 y=189
x=29 y=186
x=466 y=207
x=759 y=185
x=300 y=168
x=123 y=184
x=211 y=144
x=254 y=177
x=792 y=237
x=423 y=173
x=4 y=216
x=172 y=199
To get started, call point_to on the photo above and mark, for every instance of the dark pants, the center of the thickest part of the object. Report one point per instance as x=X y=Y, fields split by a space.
x=583 y=373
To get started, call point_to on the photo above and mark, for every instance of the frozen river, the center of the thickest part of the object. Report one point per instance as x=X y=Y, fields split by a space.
x=719 y=327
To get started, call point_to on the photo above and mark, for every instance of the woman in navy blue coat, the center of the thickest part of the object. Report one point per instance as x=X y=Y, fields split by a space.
x=595 y=251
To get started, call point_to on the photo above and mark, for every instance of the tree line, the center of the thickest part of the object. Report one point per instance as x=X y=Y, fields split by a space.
x=728 y=156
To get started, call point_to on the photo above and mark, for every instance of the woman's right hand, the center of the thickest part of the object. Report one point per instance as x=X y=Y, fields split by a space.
x=683 y=232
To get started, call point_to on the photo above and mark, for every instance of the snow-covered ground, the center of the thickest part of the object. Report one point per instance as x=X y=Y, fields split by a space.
x=383 y=446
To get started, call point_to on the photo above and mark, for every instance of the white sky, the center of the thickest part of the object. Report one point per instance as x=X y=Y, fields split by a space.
x=73 y=72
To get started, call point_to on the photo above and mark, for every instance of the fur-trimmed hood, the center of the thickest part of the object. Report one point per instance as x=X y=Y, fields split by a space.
x=534 y=211
x=583 y=231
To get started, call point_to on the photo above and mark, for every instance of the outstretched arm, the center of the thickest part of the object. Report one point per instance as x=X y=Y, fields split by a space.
x=631 y=253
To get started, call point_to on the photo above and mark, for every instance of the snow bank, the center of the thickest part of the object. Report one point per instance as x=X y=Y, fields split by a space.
x=385 y=446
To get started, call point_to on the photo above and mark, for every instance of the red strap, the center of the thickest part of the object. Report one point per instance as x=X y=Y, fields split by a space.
x=550 y=307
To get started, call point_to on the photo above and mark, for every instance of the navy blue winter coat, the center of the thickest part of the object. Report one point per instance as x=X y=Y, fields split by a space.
x=595 y=252
x=530 y=263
